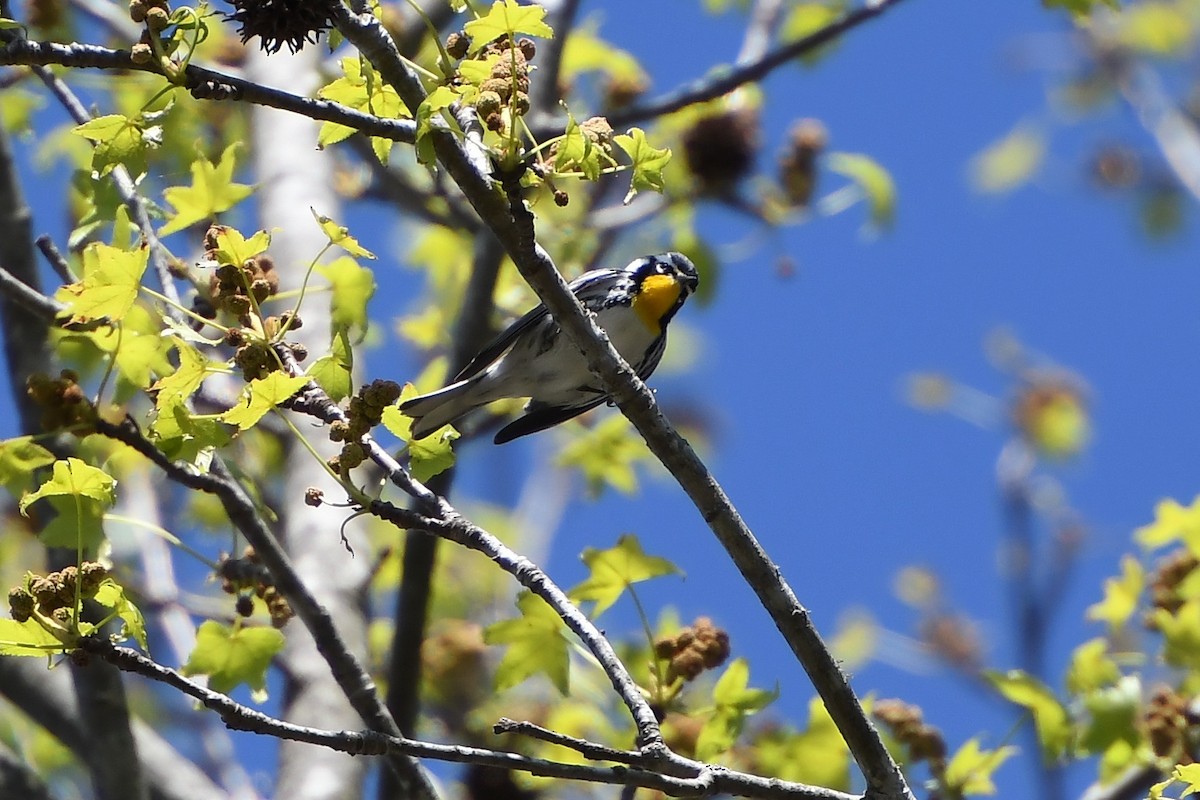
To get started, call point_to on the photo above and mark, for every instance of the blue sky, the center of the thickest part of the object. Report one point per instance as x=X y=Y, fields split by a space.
x=841 y=480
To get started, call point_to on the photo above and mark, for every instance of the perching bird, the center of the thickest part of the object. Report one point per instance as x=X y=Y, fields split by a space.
x=533 y=359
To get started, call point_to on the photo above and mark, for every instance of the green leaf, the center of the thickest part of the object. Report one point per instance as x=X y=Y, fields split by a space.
x=733 y=702
x=608 y=455
x=74 y=478
x=433 y=104
x=184 y=437
x=1010 y=162
x=817 y=756
x=1120 y=595
x=233 y=656
x=19 y=458
x=1181 y=634
x=340 y=236
x=1114 y=715
x=74 y=522
x=361 y=89
x=429 y=456
x=353 y=287
x=584 y=51
x=1050 y=718
x=261 y=396
x=333 y=372
x=612 y=571
x=971 y=768
x=235 y=249
x=212 y=192
x=119 y=141
x=111 y=279
x=27 y=638
x=112 y=595
x=648 y=161
x=535 y=645
x=575 y=151
x=732 y=690
x=432 y=455
x=177 y=387
x=7 y=24
x=872 y=179
x=506 y=18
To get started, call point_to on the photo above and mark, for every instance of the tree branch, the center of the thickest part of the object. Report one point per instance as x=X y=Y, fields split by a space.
x=724 y=81
x=703 y=780
x=208 y=82
x=514 y=227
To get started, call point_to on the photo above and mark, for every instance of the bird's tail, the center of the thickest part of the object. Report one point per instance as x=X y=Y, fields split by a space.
x=431 y=411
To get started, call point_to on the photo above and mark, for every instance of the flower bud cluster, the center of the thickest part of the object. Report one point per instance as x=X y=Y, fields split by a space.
x=924 y=741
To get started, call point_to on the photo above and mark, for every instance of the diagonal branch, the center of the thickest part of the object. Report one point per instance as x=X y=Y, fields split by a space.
x=514 y=227
x=726 y=80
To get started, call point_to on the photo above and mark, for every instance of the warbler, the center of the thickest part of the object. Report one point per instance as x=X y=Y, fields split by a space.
x=532 y=358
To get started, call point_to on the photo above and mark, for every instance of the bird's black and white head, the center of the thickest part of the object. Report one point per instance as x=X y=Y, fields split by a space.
x=661 y=284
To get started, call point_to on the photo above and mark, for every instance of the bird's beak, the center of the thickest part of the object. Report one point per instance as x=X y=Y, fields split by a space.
x=691 y=282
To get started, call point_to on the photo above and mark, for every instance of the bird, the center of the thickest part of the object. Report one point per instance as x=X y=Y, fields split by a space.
x=532 y=358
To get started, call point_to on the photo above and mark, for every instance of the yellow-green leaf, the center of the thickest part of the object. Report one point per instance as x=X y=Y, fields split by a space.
x=608 y=455
x=1010 y=162
x=614 y=570
x=535 y=645
x=112 y=595
x=1120 y=595
x=506 y=18
x=261 y=396
x=872 y=180
x=1091 y=667
x=1050 y=718
x=648 y=161
x=233 y=248
x=18 y=460
x=233 y=656
x=353 y=287
x=26 y=638
x=332 y=372
x=1172 y=523
x=184 y=381
x=340 y=236
x=109 y=288
x=429 y=456
x=212 y=192
x=119 y=140
x=971 y=768
x=72 y=477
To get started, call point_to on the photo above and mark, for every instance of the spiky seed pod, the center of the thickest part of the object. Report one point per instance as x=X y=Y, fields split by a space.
x=720 y=149
x=282 y=22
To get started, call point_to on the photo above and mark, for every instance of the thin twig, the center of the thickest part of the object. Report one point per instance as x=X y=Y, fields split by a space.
x=126 y=188
x=55 y=258
x=725 y=81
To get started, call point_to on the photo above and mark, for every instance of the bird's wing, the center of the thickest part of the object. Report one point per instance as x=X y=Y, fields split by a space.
x=540 y=416
x=488 y=355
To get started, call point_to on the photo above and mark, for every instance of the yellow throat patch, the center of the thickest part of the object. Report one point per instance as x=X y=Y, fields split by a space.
x=658 y=293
